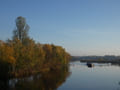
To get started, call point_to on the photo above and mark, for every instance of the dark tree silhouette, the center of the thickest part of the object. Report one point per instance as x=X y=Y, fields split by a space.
x=22 y=29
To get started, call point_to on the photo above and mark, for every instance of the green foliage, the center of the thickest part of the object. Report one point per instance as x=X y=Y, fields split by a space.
x=23 y=56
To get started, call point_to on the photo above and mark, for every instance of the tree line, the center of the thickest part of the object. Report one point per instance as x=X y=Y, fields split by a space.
x=23 y=56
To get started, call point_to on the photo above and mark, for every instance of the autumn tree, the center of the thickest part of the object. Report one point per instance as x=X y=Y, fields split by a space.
x=23 y=56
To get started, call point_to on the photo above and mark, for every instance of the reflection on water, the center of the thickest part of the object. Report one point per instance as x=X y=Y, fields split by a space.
x=93 y=76
x=85 y=76
x=45 y=81
x=3 y=85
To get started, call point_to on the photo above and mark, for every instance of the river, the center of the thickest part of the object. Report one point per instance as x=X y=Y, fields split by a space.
x=78 y=76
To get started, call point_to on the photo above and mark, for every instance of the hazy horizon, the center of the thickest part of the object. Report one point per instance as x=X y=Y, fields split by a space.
x=82 y=27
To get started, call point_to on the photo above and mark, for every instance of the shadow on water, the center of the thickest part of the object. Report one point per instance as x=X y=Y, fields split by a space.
x=45 y=81
x=4 y=75
x=4 y=85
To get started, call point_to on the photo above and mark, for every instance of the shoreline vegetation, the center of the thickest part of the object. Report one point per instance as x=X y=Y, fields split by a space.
x=22 y=56
x=97 y=59
x=101 y=61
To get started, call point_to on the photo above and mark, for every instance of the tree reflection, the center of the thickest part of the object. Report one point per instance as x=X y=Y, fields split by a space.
x=45 y=81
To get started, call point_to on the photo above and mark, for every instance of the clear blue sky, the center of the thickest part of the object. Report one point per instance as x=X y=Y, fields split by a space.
x=83 y=27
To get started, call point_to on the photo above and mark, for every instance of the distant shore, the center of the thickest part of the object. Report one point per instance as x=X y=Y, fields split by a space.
x=101 y=61
x=97 y=59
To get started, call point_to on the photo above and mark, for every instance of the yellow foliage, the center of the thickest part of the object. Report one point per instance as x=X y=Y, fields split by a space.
x=7 y=54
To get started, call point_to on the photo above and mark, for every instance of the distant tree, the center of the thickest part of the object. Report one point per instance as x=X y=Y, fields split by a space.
x=22 y=29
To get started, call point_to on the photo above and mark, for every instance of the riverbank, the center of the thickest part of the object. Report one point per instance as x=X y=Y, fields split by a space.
x=101 y=61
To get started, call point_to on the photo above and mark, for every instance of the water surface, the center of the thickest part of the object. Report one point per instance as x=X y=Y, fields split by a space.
x=98 y=77
x=79 y=76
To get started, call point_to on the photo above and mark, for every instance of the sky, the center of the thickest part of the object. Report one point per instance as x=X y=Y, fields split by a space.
x=82 y=27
